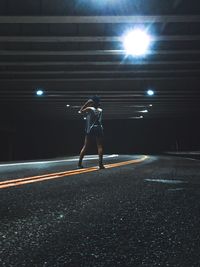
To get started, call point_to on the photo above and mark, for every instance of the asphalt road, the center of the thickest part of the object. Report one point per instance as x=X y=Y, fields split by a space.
x=144 y=212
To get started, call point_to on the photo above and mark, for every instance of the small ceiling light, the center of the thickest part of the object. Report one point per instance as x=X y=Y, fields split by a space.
x=144 y=111
x=136 y=42
x=67 y=105
x=84 y=118
x=137 y=106
x=139 y=117
x=76 y=107
x=79 y=112
x=39 y=92
x=150 y=105
x=150 y=92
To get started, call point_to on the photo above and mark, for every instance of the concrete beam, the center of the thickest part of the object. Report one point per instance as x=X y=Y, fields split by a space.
x=58 y=39
x=90 y=52
x=112 y=72
x=99 y=63
x=114 y=79
x=98 y=19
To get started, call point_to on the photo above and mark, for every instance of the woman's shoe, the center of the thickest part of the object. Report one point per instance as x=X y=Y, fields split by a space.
x=101 y=167
x=80 y=166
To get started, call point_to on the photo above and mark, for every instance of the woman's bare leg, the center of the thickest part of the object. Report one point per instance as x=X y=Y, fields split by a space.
x=83 y=151
x=99 y=141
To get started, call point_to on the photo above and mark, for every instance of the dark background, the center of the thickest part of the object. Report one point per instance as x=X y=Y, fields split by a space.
x=47 y=139
x=46 y=49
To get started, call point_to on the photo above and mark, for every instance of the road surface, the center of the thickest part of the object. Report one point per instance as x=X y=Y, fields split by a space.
x=139 y=211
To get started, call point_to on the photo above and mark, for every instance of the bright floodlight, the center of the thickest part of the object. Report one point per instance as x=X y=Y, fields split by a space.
x=39 y=92
x=137 y=42
x=150 y=92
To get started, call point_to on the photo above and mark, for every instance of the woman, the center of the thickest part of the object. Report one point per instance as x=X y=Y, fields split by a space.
x=93 y=128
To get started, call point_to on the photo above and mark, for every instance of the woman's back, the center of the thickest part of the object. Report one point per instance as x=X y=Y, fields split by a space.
x=93 y=118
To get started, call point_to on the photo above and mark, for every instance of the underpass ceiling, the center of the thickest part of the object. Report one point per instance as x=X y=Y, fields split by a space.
x=73 y=50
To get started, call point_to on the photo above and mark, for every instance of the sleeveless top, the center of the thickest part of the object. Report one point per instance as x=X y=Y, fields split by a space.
x=93 y=118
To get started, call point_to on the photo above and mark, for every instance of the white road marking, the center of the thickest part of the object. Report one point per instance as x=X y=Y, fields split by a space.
x=55 y=161
x=193 y=159
x=165 y=181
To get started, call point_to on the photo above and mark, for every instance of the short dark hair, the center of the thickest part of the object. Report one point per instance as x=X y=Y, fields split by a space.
x=96 y=99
